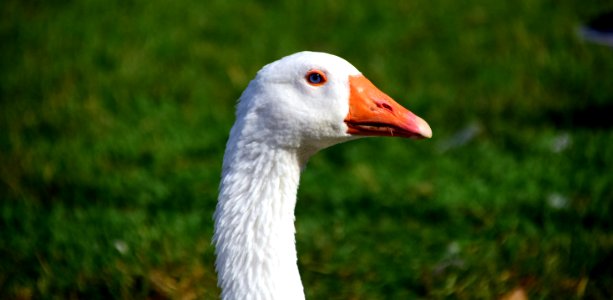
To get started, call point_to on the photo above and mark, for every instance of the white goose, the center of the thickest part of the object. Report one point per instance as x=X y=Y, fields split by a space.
x=294 y=107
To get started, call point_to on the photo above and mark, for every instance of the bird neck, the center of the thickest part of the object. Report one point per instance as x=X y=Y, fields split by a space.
x=254 y=222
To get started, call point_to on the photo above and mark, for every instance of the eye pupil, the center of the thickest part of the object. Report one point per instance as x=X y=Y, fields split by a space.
x=315 y=78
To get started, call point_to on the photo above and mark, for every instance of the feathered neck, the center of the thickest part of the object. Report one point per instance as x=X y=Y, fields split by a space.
x=254 y=220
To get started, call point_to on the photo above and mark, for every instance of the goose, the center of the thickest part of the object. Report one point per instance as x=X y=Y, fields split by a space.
x=294 y=107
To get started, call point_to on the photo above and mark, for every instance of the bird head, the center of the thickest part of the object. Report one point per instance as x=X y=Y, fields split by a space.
x=312 y=99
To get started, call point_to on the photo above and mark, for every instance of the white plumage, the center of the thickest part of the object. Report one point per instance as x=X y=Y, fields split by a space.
x=294 y=107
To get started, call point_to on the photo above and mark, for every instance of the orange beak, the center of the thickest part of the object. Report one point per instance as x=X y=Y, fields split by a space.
x=373 y=113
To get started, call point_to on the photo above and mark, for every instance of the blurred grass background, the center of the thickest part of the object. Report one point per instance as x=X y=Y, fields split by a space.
x=114 y=117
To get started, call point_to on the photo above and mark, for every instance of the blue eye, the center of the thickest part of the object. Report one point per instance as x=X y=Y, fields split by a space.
x=316 y=77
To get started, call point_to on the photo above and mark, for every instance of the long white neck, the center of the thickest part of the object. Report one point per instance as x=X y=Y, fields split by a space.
x=254 y=221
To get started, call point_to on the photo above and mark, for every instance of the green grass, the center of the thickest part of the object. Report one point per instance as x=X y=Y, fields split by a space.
x=114 y=117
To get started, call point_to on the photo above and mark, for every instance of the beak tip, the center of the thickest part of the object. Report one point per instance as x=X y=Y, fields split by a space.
x=424 y=129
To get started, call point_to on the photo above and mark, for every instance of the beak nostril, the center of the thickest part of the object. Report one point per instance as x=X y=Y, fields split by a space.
x=385 y=106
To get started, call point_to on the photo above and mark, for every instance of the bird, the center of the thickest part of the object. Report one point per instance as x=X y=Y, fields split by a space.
x=294 y=107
